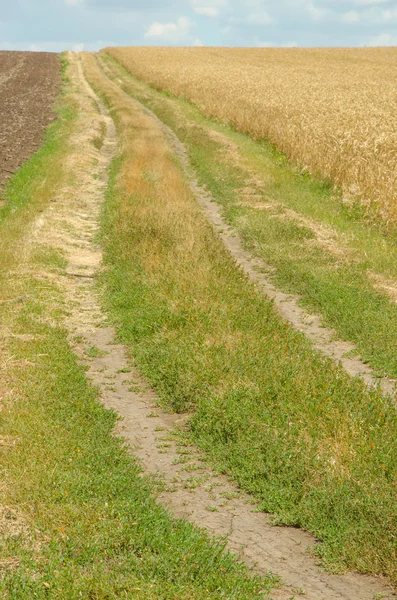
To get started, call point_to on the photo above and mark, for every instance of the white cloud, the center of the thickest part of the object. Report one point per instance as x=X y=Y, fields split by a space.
x=389 y=15
x=255 y=17
x=371 y=2
x=384 y=39
x=352 y=16
x=316 y=13
x=370 y=15
x=266 y=44
x=207 y=11
x=208 y=8
x=170 y=32
x=57 y=46
x=260 y=18
x=361 y=12
x=186 y=22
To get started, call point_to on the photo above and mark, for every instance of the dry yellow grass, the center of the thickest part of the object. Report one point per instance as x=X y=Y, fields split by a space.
x=154 y=173
x=332 y=110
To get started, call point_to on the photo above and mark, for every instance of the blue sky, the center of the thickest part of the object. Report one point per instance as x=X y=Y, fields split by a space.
x=92 y=24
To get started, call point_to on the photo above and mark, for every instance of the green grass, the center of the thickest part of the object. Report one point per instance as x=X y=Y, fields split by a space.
x=93 y=529
x=31 y=189
x=336 y=286
x=77 y=518
x=312 y=445
x=95 y=352
x=34 y=174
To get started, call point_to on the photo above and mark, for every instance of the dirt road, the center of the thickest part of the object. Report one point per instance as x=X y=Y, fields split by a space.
x=29 y=83
x=216 y=504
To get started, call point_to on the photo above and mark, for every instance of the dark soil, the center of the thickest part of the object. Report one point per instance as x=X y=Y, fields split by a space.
x=29 y=83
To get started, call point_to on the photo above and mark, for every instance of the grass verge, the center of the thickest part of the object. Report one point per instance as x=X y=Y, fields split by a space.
x=77 y=519
x=31 y=189
x=342 y=265
x=314 y=446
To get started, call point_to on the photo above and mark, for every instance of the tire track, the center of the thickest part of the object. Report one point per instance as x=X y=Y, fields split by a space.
x=208 y=500
x=322 y=338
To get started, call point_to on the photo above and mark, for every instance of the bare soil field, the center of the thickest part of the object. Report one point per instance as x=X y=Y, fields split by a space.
x=29 y=83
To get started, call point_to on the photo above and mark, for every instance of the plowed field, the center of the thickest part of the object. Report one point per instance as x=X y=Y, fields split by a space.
x=29 y=82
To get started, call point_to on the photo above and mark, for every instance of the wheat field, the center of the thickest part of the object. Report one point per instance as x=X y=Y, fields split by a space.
x=331 y=110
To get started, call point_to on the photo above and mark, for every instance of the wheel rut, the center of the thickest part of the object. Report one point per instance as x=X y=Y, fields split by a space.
x=187 y=486
x=322 y=338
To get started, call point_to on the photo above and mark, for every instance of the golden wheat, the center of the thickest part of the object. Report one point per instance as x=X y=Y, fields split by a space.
x=332 y=110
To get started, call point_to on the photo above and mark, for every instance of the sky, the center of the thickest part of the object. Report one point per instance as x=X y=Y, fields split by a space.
x=55 y=25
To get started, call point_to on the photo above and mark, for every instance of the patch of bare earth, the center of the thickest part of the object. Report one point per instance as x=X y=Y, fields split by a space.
x=189 y=488
x=324 y=236
x=387 y=286
x=255 y=197
x=29 y=83
x=14 y=526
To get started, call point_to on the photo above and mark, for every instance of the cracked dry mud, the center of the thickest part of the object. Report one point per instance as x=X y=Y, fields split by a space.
x=190 y=489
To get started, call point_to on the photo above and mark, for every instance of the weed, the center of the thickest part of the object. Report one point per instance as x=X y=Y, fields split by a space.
x=95 y=352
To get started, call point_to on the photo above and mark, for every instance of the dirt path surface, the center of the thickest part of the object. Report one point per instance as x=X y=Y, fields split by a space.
x=191 y=490
x=29 y=83
x=323 y=338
